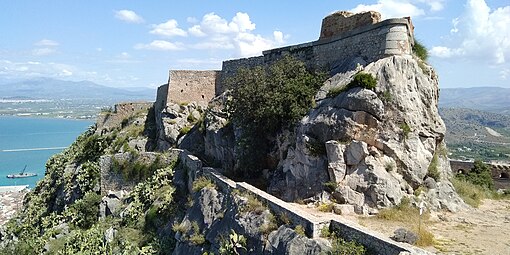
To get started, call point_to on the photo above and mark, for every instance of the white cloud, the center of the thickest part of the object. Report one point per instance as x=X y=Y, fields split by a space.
x=505 y=73
x=435 y=5
x=392 y=8
x=159 y=45
x=479 y=34
x=43 y=51
x=46 y=43
x=31 y=69
x=128 y=16
x=192 y=20
x=169 y=28
x=218 y=33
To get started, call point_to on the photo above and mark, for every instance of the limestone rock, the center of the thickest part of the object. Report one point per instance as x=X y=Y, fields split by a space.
x=287 y=241
x=391 y=134
x=404 y=236
x=336 y=161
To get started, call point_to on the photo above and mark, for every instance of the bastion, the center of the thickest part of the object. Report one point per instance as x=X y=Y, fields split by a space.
x=345 y=38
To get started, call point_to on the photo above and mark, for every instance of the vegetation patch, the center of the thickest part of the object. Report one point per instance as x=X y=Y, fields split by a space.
x=420 y=50
x=341 y=246
x=330 y=186
x=433 y=169
x=406 y=130
x=300 y=230
x=267 y=99
x=325 y=207
x=480 y=175
x=361 y=79
x=201 y=183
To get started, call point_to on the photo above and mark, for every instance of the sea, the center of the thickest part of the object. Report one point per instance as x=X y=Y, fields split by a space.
x=30 y=142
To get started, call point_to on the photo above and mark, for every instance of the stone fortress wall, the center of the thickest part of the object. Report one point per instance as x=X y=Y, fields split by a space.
x=312 y=224
x=345 y=38
x=186 y=86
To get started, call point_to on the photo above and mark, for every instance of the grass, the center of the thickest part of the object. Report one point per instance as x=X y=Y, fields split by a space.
x=410 y=216
x=196 y=238
x=404 y=212
x=433 y=170
x=325 y=207
x=300 y=230
x=471 y=194
x=201 y=183
x=252 y=205
x=361 y=79
x=405 y=130
x=269 y=226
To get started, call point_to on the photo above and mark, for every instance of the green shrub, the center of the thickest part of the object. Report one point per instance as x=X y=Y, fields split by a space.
x=361 y=79
x=252 y=205
x=480 y=175
x=433 y=170
x=316 y=148
x=300 y=230
x=84 y=212
x=420 y=51
x=325 y=207
x=330 y=186
x=202 y=182
x=405 y=130
x=265 y=100
x=184 y=130
x=196 y=237
x=387 y=97
x=471 y=194
x=233 y=245
x=340 y=246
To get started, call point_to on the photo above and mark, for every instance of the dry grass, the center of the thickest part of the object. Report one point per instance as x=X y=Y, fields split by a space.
x=202 y=182
x=325 y=207
x=470 y=193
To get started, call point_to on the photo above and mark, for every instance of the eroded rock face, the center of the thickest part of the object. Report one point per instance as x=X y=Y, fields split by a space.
x=379 y=144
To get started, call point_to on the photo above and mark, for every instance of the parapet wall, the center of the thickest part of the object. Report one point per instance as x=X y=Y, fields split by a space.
x=191 y=86
x=108 y=120
x=339 y=52
x=312 y=224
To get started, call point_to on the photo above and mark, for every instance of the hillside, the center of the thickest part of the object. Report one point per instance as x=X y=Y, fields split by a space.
x=474 y=134
x=492 y=99
x=47 y=88
x=64 y=99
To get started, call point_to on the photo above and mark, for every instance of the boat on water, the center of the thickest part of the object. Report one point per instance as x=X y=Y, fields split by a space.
x=22 y=174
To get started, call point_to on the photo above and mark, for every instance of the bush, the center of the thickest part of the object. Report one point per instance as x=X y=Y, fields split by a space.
x=252 y=205
x=265 y=100
x=300 y=230
x=84 y=212
x=405 y=130
x=480 y=175
x=471 y=194
x=340 y=246
x=361 y=79
x=325 y=207
x=420 y=51
x=330 y=186
x=433 y=170
x=202 y=182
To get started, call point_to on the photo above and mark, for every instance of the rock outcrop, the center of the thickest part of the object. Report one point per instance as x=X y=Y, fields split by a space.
x=379 y=145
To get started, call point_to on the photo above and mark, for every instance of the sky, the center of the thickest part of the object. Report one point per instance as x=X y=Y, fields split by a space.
x=134 y=43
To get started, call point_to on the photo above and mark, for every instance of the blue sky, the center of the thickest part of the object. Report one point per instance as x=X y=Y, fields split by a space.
x=135 y=43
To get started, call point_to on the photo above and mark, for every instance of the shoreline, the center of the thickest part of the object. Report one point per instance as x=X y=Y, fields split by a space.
x=11 y=200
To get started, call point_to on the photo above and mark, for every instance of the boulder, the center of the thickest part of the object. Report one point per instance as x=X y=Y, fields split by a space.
x=405 y=236
x=286 y=241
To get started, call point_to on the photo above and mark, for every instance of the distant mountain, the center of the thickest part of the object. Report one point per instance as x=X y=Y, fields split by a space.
x=47 y=88
x=477 y=134
x=492 y=99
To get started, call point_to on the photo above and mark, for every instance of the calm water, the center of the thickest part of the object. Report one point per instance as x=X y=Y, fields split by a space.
x=19 y=134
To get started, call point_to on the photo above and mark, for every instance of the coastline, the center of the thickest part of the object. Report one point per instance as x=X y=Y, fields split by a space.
x=11 y=200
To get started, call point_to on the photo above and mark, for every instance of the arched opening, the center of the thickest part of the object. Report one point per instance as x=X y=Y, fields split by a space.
x=504 y=176
x=461 y=171
x=203 y=96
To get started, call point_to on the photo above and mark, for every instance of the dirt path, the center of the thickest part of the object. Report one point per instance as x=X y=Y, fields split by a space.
x=484 y=230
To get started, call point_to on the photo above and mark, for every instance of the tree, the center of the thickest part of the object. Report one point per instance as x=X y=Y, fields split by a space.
x=480 y=175
x=266 y=99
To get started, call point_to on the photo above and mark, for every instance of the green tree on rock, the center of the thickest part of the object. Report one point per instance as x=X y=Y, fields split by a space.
x=266 y=99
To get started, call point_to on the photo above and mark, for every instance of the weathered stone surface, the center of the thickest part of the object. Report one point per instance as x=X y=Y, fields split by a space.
x=336 y=162
x=287 y=241
x=383 y=163
x=343 y=21
x=355 y=153
x=111 y=204
x=405 y=236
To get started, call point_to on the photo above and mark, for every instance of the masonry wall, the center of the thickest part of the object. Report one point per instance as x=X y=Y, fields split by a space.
x=311 y=224
x=187 y=86
x=342 y=21
x=340 y=53
x=108 y=120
